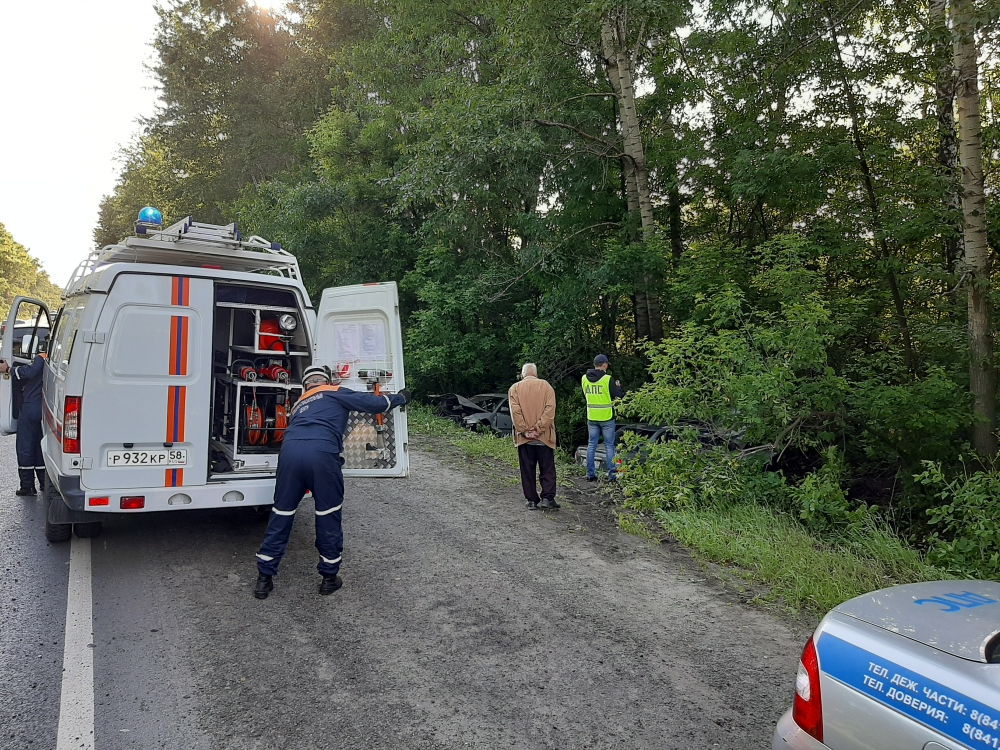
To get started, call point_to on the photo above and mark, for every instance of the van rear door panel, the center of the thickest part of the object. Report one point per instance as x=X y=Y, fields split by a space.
x=358 y=334
x=144 y=418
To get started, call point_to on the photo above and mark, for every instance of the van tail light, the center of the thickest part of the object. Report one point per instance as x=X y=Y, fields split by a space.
x=134 y=502
x=808 y=709
x=71 y=425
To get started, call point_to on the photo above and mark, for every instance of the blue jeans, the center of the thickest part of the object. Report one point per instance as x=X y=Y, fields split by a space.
x=596 y=431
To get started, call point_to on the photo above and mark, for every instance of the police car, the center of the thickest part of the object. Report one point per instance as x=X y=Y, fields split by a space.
x=914 y=667
x=173 y=365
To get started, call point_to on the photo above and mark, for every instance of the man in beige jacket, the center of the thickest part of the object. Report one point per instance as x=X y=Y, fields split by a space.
x=533 y=411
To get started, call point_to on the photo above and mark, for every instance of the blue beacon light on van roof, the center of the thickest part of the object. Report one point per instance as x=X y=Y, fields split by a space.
x=150 y=215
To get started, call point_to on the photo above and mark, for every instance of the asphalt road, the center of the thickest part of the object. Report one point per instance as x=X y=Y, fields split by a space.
x=465 y=621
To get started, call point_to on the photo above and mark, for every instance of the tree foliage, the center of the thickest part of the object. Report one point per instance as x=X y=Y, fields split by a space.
x=22 y=275
x=790 y=266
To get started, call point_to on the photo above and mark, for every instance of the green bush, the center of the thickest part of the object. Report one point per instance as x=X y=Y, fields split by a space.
x=824 y=507
x=967 y=539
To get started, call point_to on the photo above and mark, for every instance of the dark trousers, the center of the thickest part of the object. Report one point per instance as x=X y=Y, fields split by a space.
x=28 y=445
x=302 y=467
x=529 y=456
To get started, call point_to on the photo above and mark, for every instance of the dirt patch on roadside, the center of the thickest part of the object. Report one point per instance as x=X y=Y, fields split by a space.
x=592 y=509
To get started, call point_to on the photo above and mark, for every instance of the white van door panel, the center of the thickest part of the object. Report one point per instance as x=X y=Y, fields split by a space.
x=144 y=416
x=358 y=335
x=34 y=313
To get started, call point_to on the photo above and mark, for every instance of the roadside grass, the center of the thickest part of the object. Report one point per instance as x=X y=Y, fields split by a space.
x=765 y=547
x=772 y=549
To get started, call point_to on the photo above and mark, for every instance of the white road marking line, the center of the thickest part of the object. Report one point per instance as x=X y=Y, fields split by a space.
x=76 y=706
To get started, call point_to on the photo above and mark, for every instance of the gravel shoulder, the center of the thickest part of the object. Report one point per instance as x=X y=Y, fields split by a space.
x=465 y=621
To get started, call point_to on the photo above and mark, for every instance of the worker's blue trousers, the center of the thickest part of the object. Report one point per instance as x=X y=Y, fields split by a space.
x=28 y=442
x=303 y=466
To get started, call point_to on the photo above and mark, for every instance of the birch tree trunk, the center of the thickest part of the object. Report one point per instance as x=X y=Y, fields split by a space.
x=944 y=94
x=619 y=67
x=982 y=376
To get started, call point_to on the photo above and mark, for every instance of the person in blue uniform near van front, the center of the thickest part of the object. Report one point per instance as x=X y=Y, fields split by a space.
x=29 y=424
x=310 y=460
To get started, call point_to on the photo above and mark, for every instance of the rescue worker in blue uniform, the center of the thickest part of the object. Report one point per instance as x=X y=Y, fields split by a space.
x=29 y=423
x=310 y=460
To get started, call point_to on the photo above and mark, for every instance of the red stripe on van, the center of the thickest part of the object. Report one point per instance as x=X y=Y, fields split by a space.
x=50 y=419
x=183 y=325
x=179 y=327
x=176 y=408
x=177 y=365
x=180 y=287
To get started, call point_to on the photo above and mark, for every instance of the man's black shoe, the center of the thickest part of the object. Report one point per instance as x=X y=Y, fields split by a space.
x=549 y=504
x=330 y=584
x=531 y=505
x=264 y=586
x=25 y=491
x=591 y=479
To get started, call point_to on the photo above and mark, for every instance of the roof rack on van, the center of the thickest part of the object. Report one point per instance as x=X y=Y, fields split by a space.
x=192 y=243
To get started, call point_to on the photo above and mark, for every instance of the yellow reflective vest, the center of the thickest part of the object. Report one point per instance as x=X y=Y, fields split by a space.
x=598 y=397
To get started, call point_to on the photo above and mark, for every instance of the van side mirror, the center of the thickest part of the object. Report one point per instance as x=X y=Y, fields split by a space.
x=28 y=345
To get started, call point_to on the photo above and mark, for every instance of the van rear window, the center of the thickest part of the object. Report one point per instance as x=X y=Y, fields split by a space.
x=253 y=295
x=61 y=346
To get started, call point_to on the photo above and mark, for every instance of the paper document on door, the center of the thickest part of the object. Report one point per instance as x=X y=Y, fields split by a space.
x=373 y=341
x=348 y=337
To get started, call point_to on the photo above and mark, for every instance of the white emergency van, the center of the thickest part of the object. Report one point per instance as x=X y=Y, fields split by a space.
x=173 y=365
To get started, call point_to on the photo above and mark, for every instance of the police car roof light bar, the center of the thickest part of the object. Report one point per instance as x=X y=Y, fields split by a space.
x=191 y=243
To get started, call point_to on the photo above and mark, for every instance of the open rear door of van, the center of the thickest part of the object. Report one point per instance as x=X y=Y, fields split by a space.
x=359 y=337
x=32 y=314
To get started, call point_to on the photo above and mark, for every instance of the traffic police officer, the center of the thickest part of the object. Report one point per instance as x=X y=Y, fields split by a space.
x=29 y=424
x=600 y=390
x=310 y=460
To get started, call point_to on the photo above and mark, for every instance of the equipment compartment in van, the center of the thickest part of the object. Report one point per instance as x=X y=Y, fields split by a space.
x=260 y=348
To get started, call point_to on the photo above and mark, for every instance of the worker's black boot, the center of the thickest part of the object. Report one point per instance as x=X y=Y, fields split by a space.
x=330 y=584
x=263 y=587
x=40 y=474
x=27 y=477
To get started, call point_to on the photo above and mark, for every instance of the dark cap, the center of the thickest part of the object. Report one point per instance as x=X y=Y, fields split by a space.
x=599 y=360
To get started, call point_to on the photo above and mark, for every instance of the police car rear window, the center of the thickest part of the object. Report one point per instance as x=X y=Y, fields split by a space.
x=253 y=295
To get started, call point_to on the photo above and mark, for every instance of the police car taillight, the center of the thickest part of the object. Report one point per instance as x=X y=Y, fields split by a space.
x=71 y=425
x=808 y=709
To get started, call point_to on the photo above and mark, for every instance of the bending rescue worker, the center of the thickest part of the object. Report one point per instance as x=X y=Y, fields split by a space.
x=29 y=424
x=310 y=460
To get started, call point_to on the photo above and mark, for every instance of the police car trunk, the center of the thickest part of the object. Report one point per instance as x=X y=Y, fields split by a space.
x=176 y=359
x=913 y=667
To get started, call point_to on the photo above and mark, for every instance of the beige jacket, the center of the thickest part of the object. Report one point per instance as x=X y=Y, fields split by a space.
x=533 y=407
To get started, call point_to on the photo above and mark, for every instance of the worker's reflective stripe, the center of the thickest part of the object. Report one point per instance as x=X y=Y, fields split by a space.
x=283 y=512
x=328 y=512
x=598 y=397
x=330 y=562
x=29 y=468
x=265 y=558
x=39 y=467
x=388 y=402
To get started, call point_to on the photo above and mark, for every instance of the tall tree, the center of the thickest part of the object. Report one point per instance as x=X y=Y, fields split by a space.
x=616 y=44
x=982 y=374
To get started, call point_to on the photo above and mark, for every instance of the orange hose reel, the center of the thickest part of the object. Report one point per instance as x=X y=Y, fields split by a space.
x=280 y=422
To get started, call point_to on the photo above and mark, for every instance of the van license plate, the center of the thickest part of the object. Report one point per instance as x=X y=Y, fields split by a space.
x=172 y=457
